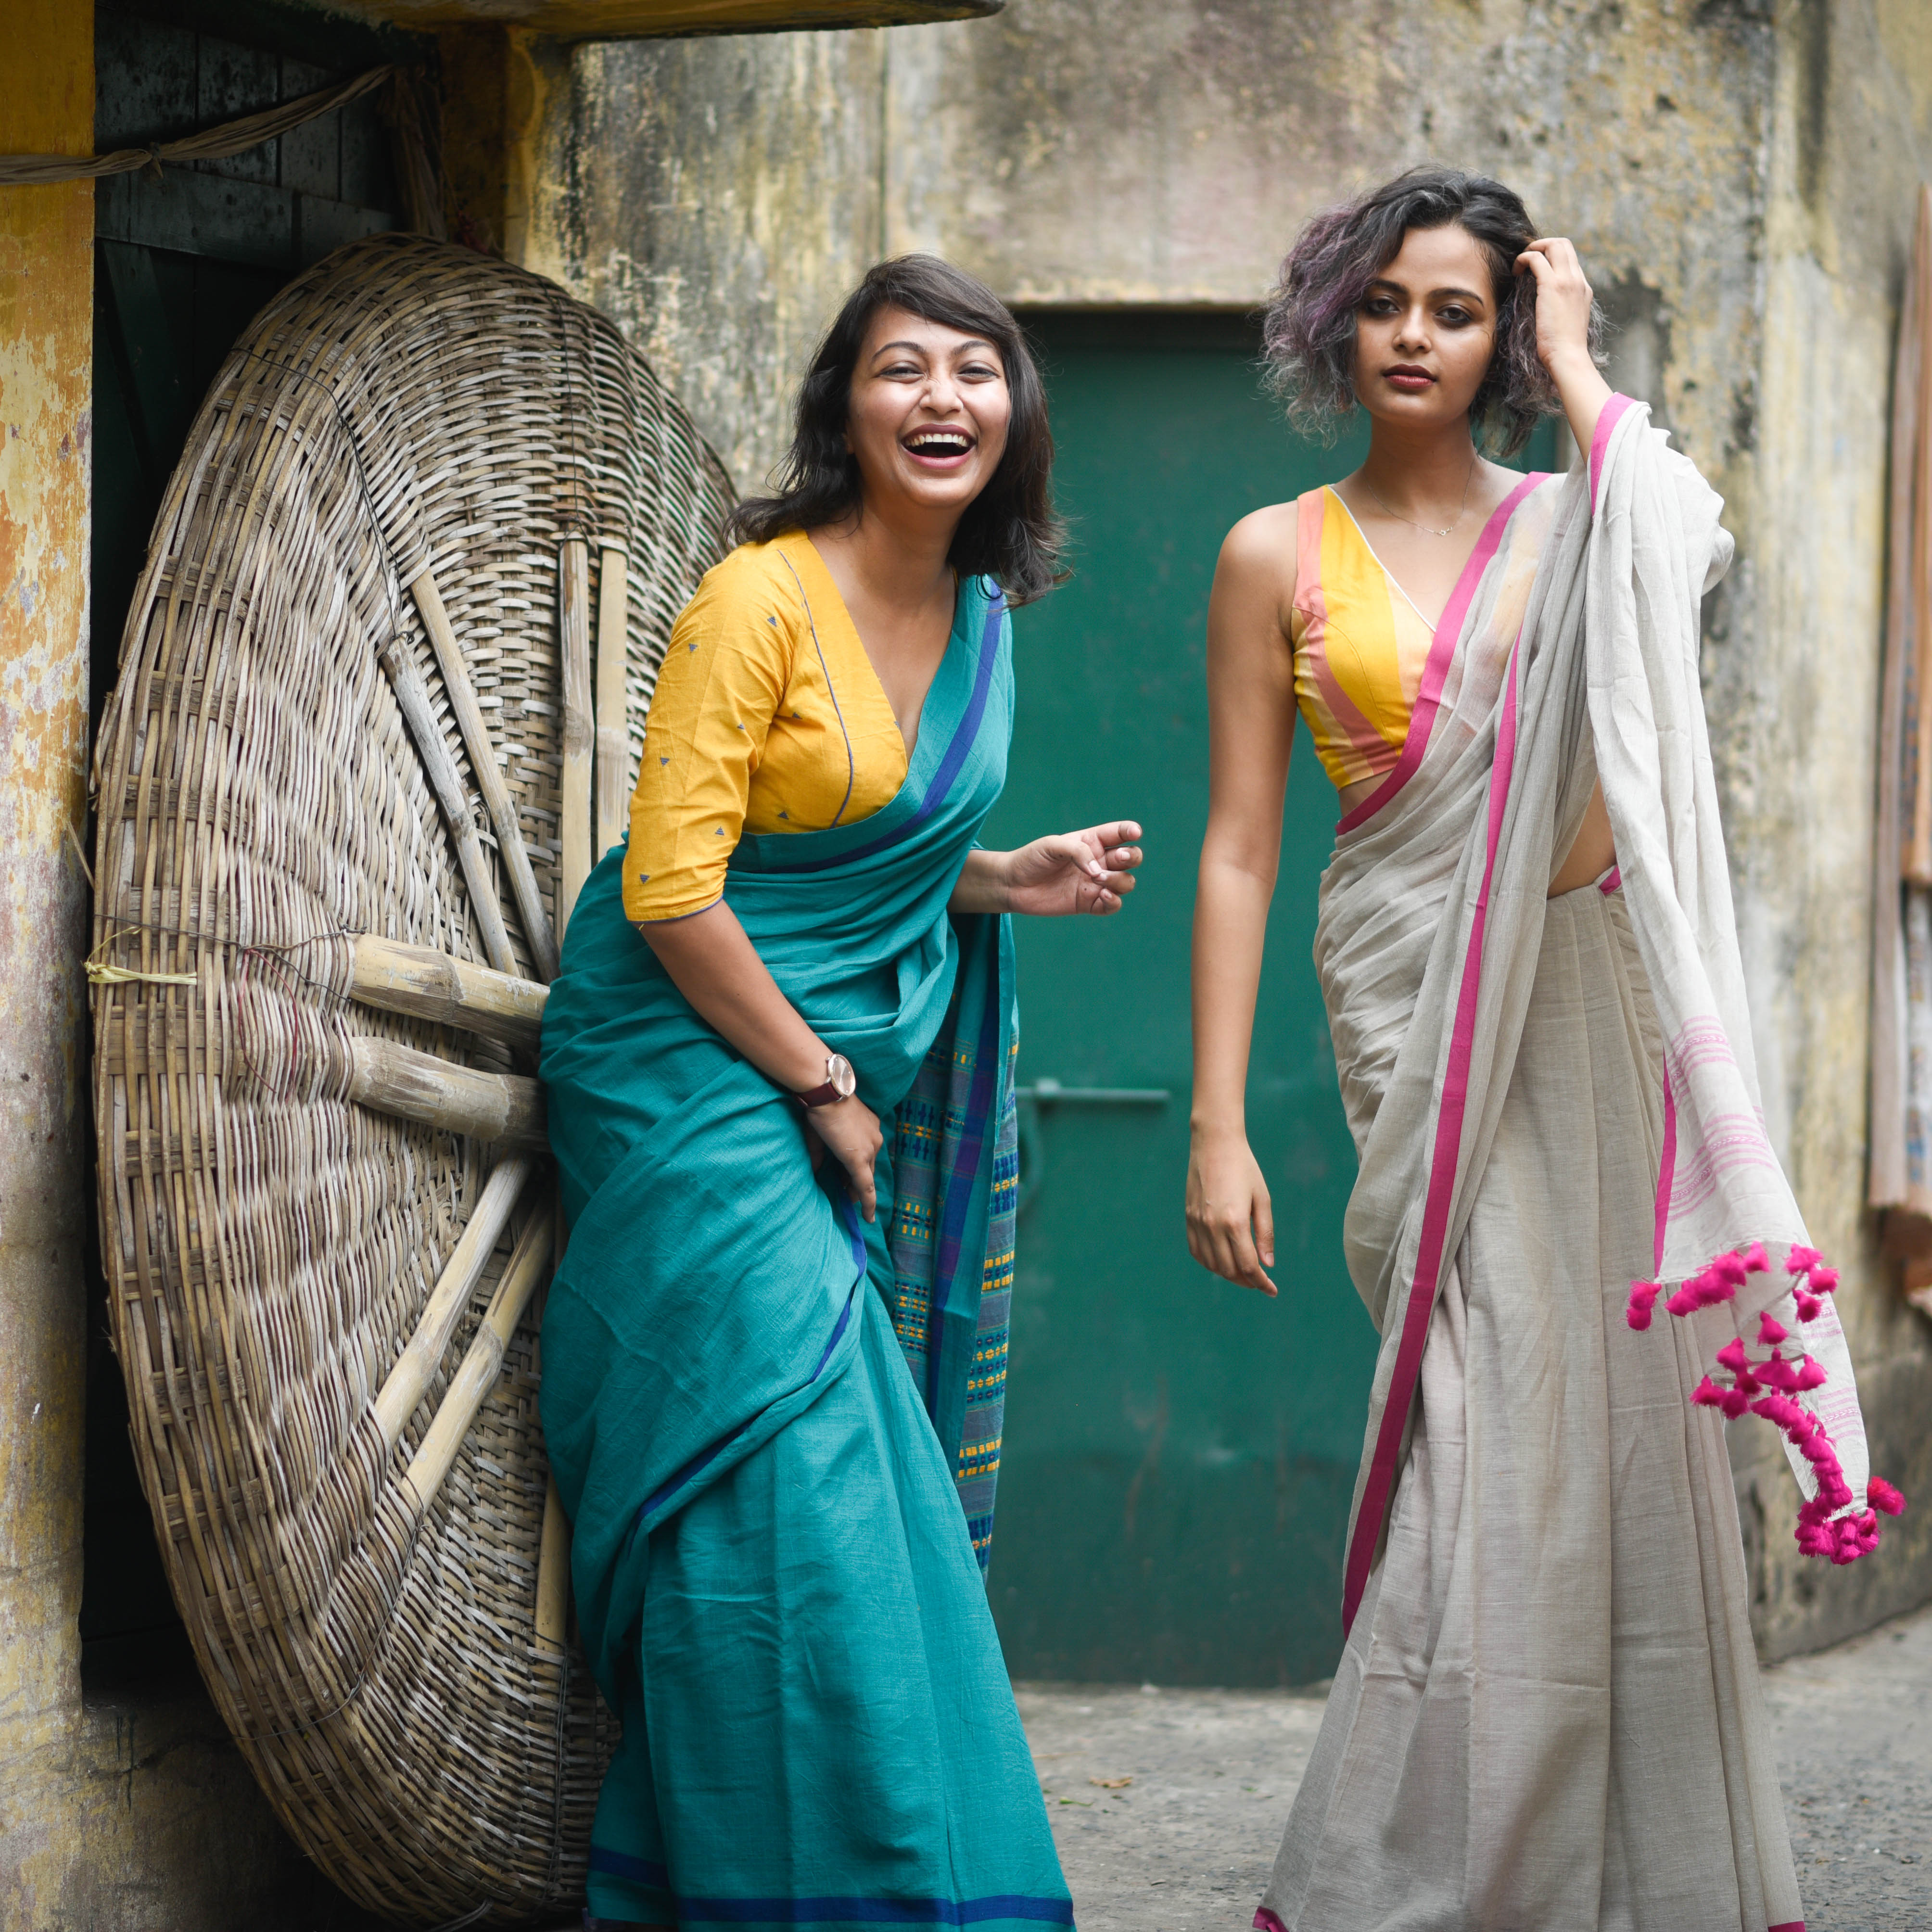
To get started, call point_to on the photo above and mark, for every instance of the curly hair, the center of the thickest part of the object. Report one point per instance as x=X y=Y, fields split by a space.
x=1308 y=328
x=1009 y=532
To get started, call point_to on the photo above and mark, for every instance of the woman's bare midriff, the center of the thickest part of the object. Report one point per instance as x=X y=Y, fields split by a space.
x=1591 y=854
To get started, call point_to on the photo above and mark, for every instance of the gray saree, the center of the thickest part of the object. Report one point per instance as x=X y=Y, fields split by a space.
x=1546 y=1716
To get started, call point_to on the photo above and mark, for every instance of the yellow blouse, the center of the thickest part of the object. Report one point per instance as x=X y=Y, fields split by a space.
x=768 y=717
x=1360 y=645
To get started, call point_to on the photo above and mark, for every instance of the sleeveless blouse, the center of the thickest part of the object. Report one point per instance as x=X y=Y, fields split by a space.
x=1360 y=644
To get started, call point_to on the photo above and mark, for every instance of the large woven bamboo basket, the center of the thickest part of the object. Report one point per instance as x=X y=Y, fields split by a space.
x=380 y=698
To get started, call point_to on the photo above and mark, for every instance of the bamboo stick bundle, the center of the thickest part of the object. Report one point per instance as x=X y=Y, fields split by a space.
x=614 y=776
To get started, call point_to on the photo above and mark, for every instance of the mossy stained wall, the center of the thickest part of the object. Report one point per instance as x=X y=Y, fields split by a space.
x=1739 y=175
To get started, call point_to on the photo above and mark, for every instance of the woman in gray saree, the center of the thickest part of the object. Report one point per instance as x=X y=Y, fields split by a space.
x=1546 y=1715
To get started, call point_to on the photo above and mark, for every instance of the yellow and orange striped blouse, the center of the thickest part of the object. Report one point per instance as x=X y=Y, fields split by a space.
x=1360 y=644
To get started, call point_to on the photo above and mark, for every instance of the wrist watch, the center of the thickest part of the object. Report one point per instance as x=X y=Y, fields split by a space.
x=841 y=1084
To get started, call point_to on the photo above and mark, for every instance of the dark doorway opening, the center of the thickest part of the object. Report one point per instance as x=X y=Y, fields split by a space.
x=182 y=263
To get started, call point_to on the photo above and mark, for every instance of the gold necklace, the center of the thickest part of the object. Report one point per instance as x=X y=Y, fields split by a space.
x=1468 y=483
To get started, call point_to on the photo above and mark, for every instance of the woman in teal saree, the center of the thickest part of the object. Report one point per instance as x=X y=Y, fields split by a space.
x=779 y=1063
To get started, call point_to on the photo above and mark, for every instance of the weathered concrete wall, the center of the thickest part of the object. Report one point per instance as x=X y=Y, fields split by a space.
x=717 y=198
x=1739 y=176
x=1791 y=669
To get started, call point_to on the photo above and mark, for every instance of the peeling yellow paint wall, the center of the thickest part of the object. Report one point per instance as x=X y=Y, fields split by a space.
x=118 y=1813
x=46 y=239
x=1739 y=175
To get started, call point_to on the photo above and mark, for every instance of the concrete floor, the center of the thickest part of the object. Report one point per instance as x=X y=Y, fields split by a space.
x=1168 y=1804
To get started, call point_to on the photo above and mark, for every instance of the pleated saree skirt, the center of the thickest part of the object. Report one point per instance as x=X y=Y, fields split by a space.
x=1547 y=1716
x=817 y=1726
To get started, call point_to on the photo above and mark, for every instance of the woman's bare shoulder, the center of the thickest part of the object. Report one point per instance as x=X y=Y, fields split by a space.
x=1261 y=549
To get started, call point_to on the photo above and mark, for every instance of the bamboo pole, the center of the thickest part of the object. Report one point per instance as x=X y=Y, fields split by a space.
x=553 y=1573
x=429 y=984
x=483 y=1362
x=412 y=695
x=488 y=775
x=613 y=735
x=412 y=1086
x=573 y=621
x=397 y=1399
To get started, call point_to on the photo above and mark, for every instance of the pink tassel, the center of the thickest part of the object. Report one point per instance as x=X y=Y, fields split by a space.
x=1881 y=1495
x=1713 y=1285
x=1642 y=1296
x=1767 y=1388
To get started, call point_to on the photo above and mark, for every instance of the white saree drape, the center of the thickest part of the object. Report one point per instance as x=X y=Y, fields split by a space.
x=1547 y=1716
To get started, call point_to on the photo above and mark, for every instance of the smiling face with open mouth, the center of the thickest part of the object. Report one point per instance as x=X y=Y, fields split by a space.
x=929 y=414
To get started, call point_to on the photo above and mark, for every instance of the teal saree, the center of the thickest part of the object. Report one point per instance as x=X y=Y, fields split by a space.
x=775 y=1428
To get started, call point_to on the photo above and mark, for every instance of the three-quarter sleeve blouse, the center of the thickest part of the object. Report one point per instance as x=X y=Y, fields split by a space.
x=768 y=717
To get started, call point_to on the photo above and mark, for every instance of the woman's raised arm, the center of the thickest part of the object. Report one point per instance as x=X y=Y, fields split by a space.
x=1251 y=729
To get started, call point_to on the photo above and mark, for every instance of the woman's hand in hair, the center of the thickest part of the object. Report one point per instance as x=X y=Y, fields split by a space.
x=1087 y=871
x=1563 y=298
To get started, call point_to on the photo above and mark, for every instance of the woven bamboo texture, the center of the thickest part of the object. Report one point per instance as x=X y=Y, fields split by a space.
x=409 y=428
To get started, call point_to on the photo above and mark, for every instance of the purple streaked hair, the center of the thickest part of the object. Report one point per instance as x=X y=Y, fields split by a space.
x=1308 y=328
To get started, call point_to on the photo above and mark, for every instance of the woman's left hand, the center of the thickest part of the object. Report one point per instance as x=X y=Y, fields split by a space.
x=1090 y=872
x=1563 y=296
x=1563 y=333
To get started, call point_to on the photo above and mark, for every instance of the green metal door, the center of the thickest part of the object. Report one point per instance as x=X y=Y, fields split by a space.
x=1179 y=1453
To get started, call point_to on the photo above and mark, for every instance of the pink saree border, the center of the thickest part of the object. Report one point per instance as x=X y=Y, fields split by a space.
x=1666 y=1170
x=1441 y=655
x=1610 y=415
x=1421 y=1302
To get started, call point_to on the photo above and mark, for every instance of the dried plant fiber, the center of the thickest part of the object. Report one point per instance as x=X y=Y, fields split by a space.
x=330 y=788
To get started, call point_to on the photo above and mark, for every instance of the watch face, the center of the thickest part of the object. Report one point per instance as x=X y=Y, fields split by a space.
x=838 y=1072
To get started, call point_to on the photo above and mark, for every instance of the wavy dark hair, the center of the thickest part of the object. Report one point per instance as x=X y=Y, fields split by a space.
x=1308 y=329
x=1009 y=532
